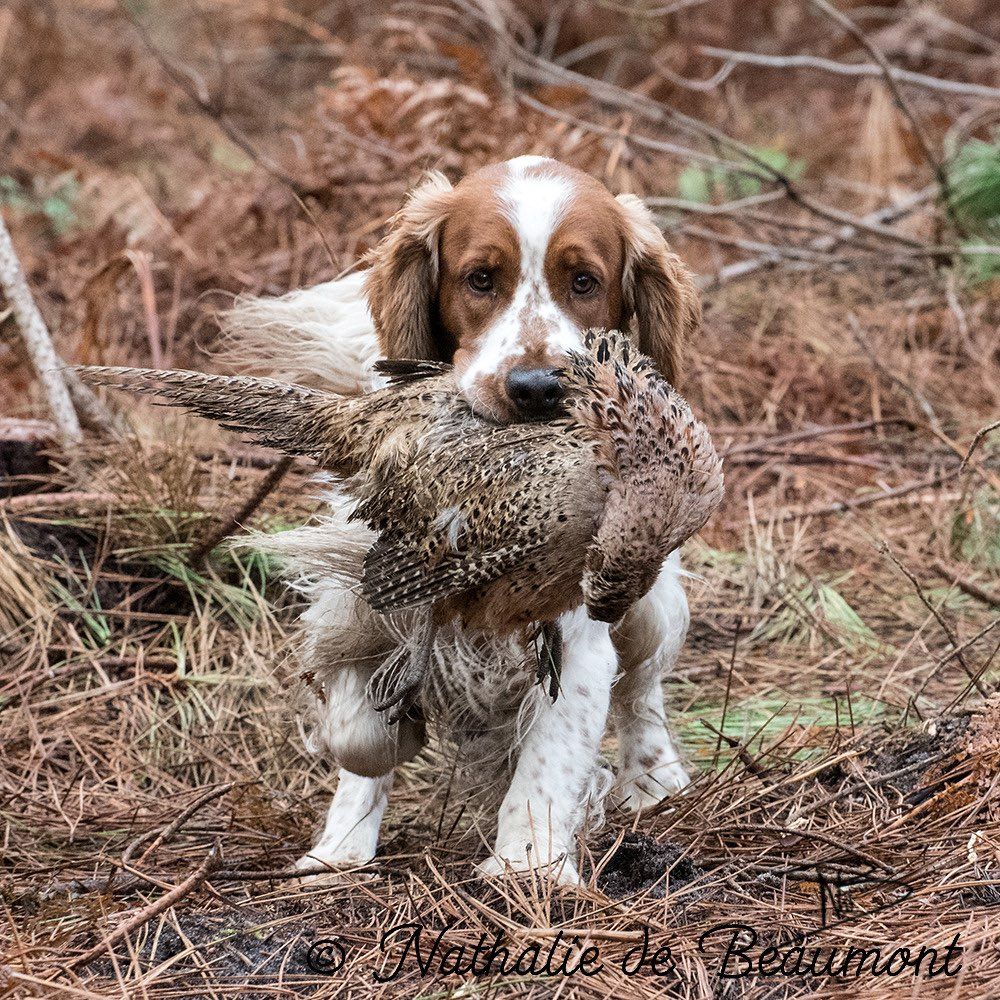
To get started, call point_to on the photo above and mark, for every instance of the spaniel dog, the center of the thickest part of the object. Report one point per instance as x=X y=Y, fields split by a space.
x=500 y=275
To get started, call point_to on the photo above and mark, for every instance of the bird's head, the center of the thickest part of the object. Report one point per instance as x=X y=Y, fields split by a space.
x=663 y=474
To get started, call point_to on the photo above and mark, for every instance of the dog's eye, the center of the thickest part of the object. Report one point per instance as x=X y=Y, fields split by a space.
x=584 y=283
x=481 y=281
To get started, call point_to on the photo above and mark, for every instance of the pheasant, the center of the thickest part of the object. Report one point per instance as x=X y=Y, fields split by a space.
x=501 y=525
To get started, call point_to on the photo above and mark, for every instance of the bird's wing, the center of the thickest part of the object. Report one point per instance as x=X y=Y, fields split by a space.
x=469 y=512
x=281 y=415
x=405 y=573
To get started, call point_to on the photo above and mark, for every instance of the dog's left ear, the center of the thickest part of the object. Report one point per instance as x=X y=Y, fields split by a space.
x=659 y=294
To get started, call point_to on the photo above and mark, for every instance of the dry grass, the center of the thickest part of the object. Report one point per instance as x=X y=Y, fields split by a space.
x=845 y=752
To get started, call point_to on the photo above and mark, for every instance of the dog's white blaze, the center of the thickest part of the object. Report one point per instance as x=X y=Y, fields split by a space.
x=533 y=204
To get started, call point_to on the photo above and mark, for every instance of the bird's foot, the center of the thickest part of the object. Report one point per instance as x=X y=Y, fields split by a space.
x=548 y=655
x=395 y=686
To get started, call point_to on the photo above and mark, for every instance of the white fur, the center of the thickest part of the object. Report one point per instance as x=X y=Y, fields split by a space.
x=649 y=766
x=533 y=204
x=324 y=335
x=350 y=833
x=549 y=795
x=321 y=335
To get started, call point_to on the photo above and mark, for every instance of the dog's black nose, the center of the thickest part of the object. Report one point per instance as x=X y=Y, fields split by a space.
x=535 y=392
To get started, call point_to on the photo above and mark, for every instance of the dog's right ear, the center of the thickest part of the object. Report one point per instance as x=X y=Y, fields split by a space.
x=403 y=276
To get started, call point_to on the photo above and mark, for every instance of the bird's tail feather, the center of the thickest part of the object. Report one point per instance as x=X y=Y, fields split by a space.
x=291 y=418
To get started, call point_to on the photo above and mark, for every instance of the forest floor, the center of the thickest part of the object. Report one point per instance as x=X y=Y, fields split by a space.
x=835 y=700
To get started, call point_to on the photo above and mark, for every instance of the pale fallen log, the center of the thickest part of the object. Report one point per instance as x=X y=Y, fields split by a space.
x=37 y=341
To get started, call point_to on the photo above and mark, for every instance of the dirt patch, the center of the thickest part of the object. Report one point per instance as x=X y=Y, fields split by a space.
x=243 y=945
x=641 y=865
x=906 y=760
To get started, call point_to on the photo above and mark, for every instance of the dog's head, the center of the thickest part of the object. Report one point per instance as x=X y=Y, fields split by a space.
x=503 y=272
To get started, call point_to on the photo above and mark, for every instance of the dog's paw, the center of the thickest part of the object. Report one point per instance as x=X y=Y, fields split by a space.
x=330 y=864
x=637 y=791
x=520 y=859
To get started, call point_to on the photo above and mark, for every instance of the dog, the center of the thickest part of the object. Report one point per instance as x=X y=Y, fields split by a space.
x=500 y=275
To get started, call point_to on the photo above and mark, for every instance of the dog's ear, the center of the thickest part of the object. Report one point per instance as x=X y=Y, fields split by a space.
x=660 y=298
x=402 y=281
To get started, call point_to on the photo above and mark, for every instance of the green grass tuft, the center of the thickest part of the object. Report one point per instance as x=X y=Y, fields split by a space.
x=975 y=531
x=705 y=184
x=811 y=607
x=974 y=196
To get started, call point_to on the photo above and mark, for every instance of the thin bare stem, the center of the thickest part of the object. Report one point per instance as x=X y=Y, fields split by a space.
x=976 y=91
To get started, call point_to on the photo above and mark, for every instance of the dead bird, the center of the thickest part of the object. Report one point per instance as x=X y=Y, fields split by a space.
x=500 y=525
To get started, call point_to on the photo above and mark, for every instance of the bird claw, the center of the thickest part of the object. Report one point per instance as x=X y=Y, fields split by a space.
x=549 y=656
x=401 y=700
x=396 y=684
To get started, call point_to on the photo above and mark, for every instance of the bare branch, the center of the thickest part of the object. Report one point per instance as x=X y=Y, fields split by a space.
x=531 y=67
x=839 y=17
x=204 y=103
x=967 y=586
x=885 y=549
x=883 y=216
x=92 y=412
x=799 y=61
x=211 y=863
x=242 y=513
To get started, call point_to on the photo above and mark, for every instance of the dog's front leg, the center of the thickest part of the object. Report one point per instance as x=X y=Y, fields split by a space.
x=551 y=788
x=350 y=834
x=648 y=643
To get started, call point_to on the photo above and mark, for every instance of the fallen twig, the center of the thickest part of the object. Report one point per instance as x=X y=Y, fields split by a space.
x=795 y=437
x=938 y=617
x=955 y=652
x=82 y=500
x=242 y=513
x=883 y=216
x=870 y=783
x=741 y=751
x=102 y=885
x=171 y=828
x=967 y=586
x=134 y=880
x=981 y=434
x=856 y=503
